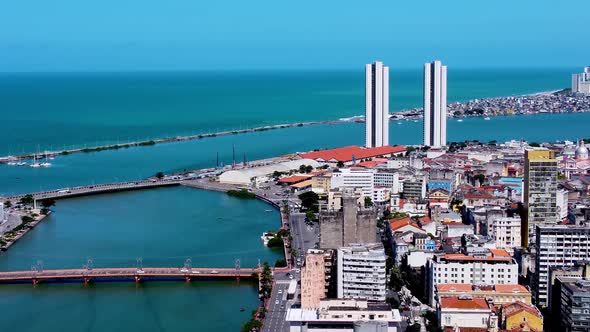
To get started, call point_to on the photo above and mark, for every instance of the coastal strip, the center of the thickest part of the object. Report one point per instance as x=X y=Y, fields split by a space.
x=51 y=154
x=548 y=102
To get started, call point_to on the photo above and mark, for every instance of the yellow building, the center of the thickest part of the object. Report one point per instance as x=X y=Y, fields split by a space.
x=321 y=183
x=521 y=315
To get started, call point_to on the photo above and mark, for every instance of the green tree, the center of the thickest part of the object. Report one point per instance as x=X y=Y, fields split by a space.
x=308 y=169
x=535 y=144
x=302 y=169
x=26 y=219
x=310 y=215
x=7 y=204
x=159 y=175
x=368 y=201
x=480 y=177
x=27 y=200
x=414 y=327
x=47 y=203
x=275 y=242
x=340 y=164
x=280 y=263
x=309 y=201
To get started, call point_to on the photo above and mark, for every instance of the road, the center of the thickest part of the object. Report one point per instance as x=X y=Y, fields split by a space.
x=277 y=307
x=12 y=220
x=304 y=236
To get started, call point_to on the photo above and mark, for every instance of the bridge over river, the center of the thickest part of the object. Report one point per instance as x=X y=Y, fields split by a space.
x=99 y=189
x=135 y=274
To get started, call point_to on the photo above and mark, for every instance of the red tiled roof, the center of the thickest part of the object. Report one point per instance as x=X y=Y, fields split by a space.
x=463 y=257
x=510 y=309
x=294 y=179
x=302 y=184
x=346 y=153
x=508 y=288
x=398 y=223
x=370 y=163
x=425 y=220
x=456 y=303
x=454 y=287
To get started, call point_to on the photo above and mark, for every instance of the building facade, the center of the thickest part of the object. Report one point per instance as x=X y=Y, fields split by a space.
x=558 y=245
x=354 y=178
x=581 y=82
x=377 y=105
x=540 y=192
x=435 y=104
x=344 y=315
x=361 y=272
x=575 y=306
x=506 y=232
x=316 y=278
x=487 y=268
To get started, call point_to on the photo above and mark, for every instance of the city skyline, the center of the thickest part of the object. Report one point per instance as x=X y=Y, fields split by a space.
x=376 y=105
x=435 y=104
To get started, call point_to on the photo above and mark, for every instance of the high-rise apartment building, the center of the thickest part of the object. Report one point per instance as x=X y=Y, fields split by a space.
x=377 y=105
x=435 y=104
x=557 y=245
x=581 y=82
x=317 y=282
x=361 y=272
x=540 y=192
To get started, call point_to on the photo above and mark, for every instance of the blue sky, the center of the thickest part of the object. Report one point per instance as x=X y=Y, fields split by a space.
x=74 y=35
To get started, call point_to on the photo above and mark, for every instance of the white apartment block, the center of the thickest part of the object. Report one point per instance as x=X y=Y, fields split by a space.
x=506 y=232
x=376 y=105
x=381 y=195
x=361 y=272
x=388 y=180
x=354 y=178
x=344 y=316
x=581 y=82
x=435 y=104
x=490 y=268
x=557 y=245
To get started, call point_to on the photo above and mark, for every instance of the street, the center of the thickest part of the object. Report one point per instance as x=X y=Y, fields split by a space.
x=277 y=306
x=304 y=236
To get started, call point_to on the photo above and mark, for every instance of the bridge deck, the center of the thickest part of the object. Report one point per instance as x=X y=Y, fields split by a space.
x=126 y=273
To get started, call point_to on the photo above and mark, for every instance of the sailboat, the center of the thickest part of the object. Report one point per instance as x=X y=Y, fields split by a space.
x=46 y=163
x=35 y=164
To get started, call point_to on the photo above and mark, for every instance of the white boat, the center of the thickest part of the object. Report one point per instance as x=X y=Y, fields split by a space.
x=11 y=163
x=22 y=163
x=35 y=165
x=460 y=120
x=45 y=164
x=486 y=118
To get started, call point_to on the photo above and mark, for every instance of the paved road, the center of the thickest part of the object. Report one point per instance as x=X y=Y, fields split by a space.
x=277 y=308
x=304 y=236
x=12 y=220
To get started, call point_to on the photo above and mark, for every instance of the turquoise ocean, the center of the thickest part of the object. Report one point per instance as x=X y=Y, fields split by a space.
x=165 y=226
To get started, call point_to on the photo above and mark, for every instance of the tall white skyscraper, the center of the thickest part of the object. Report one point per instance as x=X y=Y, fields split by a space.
x=435 y=104
x=377 y=105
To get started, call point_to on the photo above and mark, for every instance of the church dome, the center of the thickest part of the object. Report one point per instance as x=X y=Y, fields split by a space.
x=581 y=151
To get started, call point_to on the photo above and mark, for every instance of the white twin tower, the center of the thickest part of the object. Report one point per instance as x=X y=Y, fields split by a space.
x=377 y=105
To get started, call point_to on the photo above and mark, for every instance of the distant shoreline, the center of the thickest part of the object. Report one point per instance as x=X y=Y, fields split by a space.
x=407 y=115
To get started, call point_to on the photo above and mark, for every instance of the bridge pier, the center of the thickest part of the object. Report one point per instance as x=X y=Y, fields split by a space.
x=87 y=280
x=35 y=282
x=137 y=279
x=187 y=279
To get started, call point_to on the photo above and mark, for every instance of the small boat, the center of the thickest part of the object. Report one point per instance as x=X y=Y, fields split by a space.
x=11 y=163
x=22 y=163
x=242 y=309
x=460 y=120
x=267 y=210
x=35 y=165
x=487 y=118
x=45 y=164
x=399 y=123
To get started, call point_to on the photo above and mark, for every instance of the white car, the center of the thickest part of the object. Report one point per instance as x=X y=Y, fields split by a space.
x=140 y=271
x=277 y=302
x=297 y=270
x=215 y=272
x=184 y=270
x=196 y=272
x=280 y=291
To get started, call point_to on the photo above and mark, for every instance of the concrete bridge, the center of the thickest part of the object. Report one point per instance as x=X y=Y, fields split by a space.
x=137 y=275
x=98 y=189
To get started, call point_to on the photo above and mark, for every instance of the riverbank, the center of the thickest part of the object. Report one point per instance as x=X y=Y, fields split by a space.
x=8 y=241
